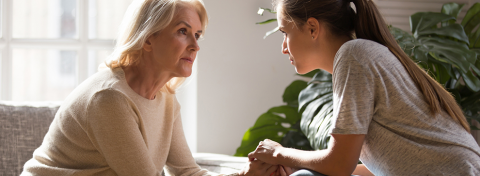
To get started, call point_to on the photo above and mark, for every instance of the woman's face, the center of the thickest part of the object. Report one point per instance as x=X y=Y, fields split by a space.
x=174 y=49
x=298 y=44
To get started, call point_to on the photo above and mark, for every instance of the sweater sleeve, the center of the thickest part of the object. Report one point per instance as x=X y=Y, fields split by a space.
x=113 y=127
x=180 y=160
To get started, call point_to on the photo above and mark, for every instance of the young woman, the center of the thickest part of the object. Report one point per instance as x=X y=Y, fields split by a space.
x=387 y=111
x=125 y=120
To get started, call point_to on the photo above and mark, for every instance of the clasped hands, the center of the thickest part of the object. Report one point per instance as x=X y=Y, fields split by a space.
x=264 y=161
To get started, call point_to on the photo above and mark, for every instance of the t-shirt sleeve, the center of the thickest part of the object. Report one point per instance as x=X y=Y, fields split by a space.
x=180 y=160
x=353 y=94
x=112 y=126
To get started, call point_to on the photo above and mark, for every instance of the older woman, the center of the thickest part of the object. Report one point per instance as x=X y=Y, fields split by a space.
x=125 y=120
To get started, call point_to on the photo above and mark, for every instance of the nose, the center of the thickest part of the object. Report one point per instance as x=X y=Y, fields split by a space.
x=284 y=47
x=194 y=45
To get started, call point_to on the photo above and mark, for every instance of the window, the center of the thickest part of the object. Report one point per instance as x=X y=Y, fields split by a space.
x=48 y=47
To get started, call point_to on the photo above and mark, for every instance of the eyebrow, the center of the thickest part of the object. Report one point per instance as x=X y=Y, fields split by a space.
x=188 y=25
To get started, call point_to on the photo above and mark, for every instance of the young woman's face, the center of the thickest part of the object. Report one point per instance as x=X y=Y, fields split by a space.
x=298 y=44
x=175 y=48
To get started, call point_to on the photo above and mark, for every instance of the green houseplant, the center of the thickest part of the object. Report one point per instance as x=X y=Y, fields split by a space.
x=449 y=52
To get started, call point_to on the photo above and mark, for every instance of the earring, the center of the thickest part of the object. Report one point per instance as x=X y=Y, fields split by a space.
x=312 y=37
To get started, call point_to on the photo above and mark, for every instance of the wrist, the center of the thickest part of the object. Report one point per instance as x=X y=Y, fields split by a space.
x=279 y=155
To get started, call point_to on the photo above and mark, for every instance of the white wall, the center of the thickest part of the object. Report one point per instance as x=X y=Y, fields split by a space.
x=240 y=75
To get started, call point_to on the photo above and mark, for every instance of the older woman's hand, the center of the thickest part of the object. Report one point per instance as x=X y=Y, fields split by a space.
x=284 y=171
x=267 y=151
x=258 y=168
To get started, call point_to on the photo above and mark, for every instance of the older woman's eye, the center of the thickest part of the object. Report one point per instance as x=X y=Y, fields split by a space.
x=197 y=36
x=183 y=31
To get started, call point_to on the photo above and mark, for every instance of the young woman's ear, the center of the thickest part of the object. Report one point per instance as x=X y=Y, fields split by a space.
x=314 y=27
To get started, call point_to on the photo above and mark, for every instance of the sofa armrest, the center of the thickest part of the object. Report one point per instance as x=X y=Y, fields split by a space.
x=220 y=163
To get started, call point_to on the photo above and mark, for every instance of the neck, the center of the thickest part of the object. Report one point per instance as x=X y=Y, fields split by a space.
x=330 y=49
x=145 y=80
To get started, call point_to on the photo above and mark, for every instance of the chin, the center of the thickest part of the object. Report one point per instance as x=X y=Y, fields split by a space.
x=302 y=71
x=186 y=73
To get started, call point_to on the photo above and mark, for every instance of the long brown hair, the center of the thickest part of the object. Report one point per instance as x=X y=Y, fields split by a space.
x=367 y=23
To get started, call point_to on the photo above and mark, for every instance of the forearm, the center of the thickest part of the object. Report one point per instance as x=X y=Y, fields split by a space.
x=340 y=158
x=322 y=161
x=300 y=159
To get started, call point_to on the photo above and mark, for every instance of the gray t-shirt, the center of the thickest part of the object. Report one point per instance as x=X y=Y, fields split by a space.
x=374 y=95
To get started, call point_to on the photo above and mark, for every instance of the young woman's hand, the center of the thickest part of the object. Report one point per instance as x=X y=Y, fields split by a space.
x=267 y=151
x=258 y=168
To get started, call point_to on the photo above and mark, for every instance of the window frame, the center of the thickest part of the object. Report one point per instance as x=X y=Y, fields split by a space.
x=82 y=44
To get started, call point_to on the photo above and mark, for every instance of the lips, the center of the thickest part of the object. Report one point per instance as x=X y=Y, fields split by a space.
x=188 y=59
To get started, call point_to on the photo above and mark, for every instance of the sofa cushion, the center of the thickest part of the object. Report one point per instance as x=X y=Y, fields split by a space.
x=22 y=129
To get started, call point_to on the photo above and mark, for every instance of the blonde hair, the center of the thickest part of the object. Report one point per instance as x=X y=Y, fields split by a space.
x=142 y=19
x=368 y=23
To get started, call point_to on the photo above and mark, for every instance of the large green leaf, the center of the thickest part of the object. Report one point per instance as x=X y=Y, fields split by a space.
x=252 y=137
x=290 y=114
x=425 y=20
x=471 y=105
x=404 y=39
x=470 y=23
x=296 y=139
x=274 y=125
x=321 y=83
x=452 y=9
x=290 y=95
x=472 y=18
x=310 y=74
x=448 y=51
x=453 y=30
x=471 y=81
x=442 y=72
x=316 y=105
x=471 y=101
x=316 y=121
x=474 y=39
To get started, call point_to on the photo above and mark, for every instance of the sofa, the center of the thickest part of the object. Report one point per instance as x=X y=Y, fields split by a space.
x=24 y=125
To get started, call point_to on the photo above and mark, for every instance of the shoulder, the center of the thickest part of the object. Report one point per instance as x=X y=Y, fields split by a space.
x=107 y=97
x=364 y=52
x=83 y=93
x=361 y=48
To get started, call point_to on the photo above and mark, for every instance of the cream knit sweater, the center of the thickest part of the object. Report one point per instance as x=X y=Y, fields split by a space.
x=105 y=128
